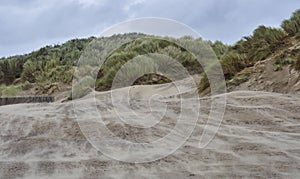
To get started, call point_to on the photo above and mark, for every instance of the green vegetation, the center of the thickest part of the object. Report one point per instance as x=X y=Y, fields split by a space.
x=240 y=78
x=46 y=70
x=265 y=42
x=220 y=49
x=10 y=91
x=292 y=25
x=140 y=47
x=282 y=60
x=51 y=64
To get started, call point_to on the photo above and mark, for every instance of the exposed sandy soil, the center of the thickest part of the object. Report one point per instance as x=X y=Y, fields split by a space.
x=259 y=138
x=264 y=78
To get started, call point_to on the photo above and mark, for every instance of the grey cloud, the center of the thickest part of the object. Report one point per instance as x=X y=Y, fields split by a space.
x=31 y=24
x=222 y=19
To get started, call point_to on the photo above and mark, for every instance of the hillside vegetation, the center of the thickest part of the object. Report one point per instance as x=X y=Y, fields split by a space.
x=278 y=44
x=50 y=69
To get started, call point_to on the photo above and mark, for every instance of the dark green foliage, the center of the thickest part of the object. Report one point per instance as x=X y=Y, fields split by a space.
x=232 y=63
x=286 y=58
x=143 y=46
x=292 y=25
x=283 y=61
x=264 y=42
x=277 y=67
x=7 y=68
x=219 y=48
x=48 y=65
x=30 y=68
x=26 y=86
x=239 y=79
x=9 y=91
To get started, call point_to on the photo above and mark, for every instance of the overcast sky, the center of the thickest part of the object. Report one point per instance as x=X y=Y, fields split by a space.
x=27 y=25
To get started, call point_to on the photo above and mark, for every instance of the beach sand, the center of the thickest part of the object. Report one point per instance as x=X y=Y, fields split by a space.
x=259 y=137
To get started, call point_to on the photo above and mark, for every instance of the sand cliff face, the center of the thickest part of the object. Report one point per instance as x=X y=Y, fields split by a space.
x=264 y=78
x=259 y=137
x=268 y=76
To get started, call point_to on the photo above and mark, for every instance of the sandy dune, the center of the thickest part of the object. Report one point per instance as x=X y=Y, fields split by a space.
x=259 y=137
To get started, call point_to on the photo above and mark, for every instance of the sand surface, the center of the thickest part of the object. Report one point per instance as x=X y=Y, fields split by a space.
x=259 y=137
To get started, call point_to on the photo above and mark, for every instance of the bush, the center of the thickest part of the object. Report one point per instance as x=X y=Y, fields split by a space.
x=232 y=63
x=277 y=67
x=10 y=91
x=26 y=86
x=264 y=42
x=283 y=61
x=239 y=79
x=141 y=47
x=219 y=48
x=292 y=25
x=30 y=68
x=1 y=76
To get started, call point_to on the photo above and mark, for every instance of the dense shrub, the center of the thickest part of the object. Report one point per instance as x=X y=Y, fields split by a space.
x=232 y=63
x=143 y=46
x=264 y=42
x=220 y=49
x=9 y=91
x=292 y=25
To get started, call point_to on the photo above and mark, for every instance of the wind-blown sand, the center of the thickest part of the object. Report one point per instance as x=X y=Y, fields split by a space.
x=259 y=137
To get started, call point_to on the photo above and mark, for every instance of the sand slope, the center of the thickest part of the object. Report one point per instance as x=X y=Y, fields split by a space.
x=259 y=137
